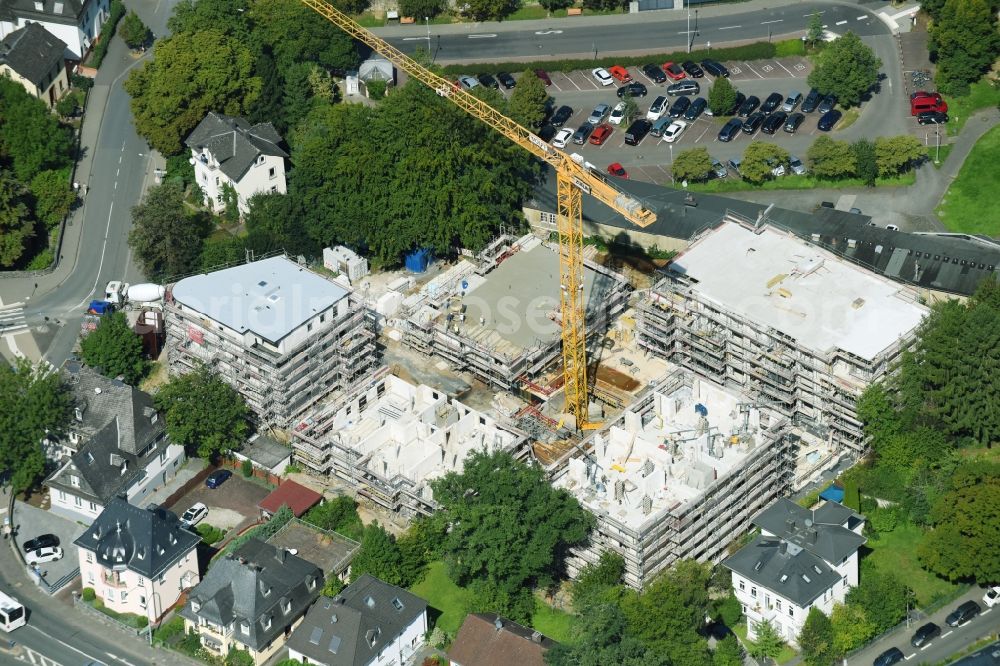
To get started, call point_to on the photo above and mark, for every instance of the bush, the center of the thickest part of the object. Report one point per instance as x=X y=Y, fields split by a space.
x=728 y=610
x=41 y=260
x=376 y=89
x=292 y=469
x=175 y=627
x=107 y=32
x=247 y=469
x=88 y=594
x=82 y=82
x=210 y=534
x=239 y=658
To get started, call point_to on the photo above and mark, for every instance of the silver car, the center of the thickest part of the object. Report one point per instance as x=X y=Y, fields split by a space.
x=798 y=168
x=599 y=113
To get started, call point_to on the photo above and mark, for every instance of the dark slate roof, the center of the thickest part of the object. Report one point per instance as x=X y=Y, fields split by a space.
x=66 y=12
x=784 y=568
x=147 y=541
x=355 y=626
x=486 y=639
x=265 y=451
x=234 y=143
x=790 y=522
x=32 y=52
x=252 y=584
x=954 y=263
x=835 y=513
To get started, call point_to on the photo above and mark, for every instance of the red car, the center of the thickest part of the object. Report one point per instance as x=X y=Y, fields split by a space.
x=601 y=134
x=674 y=71
x=544 y=76
x=620 y=73
x=617 y=169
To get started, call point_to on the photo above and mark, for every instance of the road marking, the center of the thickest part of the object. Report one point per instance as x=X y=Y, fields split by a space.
x=753 y=70
x=570 y=79
x=911 y=656
x=925 y=647
x=735 y=70
x=946 y=635
x=799 y=66
x=767 y=68
x=808 y=15
x=486 y=36
x=774 y=21
x=66 y=645
x=863 y=17
x=414 y=39
x=784 y=68
x=703 y=133
x=117 y=658
x=842 y=22
x=548 y=32
x=731 y=27
x=987 y=611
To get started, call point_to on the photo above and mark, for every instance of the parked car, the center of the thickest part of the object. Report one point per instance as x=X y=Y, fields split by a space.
x=546 y=132
x=992 y=596
x=692 y=69
x=932 y=118
x=617 y=169
x=684 y=88
x=602 y=76
x=657 y=108
x=41 y=541
x=632 y=90
x=922 y=101
x=562 y=137
x=719 y=169
x=793 y=122
x=654 y=73
x=674 y=71
x=777 y=169
x=891 y=227
x=827 y=104
x=791 y=101
x=43 y=555
x=828 y=120
x=599 y=113
x=798 y=168
x=964 y=613
x=194 y=515
x=582 y=133
x=637 y=131
x=674 y=131
x=562 y=114
x=680 y=105
x=925 y=635
x=749 y=106
x=753 y=122
x=621 y=74
x=544 y=76
x=696 y=109
x=601 y=134
x=889 y=657
x=506 y=80
x=217 y=478
x=660 y=126
x=730 y=130
x=772 y=102
x=811 y=101
x=734 y=164
x=715 y=68
x=468 y=82
x=774 y=122
x=617 y=114
x=488 y=81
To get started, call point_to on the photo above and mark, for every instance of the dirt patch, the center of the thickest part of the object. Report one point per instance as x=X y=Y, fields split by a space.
x=617 y=379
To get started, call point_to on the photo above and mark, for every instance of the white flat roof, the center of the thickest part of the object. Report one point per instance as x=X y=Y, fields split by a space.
x=800 y=290
x=271 y=297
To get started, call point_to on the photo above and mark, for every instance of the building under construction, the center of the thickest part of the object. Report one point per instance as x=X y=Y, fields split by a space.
x=281 y=335
x=791 y=325
x=679 y=474
x=499 y=319
x=389 y=440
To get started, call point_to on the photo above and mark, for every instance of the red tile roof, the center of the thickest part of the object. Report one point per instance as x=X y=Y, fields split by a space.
x=298 y=498
x=480 y=643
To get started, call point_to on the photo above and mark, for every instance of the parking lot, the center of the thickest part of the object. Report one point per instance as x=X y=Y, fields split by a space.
x=231 y=505
x=31 y=521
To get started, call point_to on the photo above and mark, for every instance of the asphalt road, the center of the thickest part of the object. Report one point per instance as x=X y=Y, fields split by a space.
x=647 y=31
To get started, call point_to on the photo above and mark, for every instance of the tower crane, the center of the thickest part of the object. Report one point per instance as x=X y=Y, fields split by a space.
x=573 y=180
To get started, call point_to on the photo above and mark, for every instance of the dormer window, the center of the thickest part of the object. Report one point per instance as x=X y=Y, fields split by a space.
x=397 y=604
x=260 y=159
x=245 y=628
x=58 y=8
x=311 y=583
x=79 y=414
x=195 y=605
x=286 y=607
x=266 y=622
x=74 y=481
x=74 y=438
x=39 y=7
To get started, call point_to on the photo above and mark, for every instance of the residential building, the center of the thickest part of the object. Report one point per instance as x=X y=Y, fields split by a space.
x=390 y=439
x=35 y=58
x=369 y=623
x=783 y=321
x=76 y=23
x=227 y=151
x=281 y=335
x=678 y=475
x=138 y=560
x=117 y=445
x=252 y=599
x=802 y=559
x=486 y=639
x=346 y=262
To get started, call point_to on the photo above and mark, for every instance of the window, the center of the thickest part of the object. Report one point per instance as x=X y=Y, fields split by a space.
x=742 y=586
x=62 y=495
x=309 y=326
x=777 y=603
x=90 y=577
x=267 y=622
x=90 y=557
x=244 y=627
x=142 y=600
x=74 y=481
x=753 y=592
x=93 y=506
x=274 y=189
x=270 y=172
x=791 y=612
x=124 y=595
x=77 y=501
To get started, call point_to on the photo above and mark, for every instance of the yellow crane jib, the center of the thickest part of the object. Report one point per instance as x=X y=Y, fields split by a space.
x=572 y=179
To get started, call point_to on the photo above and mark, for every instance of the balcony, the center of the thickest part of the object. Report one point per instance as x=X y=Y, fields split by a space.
x=112 y=580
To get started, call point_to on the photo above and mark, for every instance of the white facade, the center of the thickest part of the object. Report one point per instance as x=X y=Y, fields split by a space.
x=396 y=653
x=266 y=175
x=78 y=37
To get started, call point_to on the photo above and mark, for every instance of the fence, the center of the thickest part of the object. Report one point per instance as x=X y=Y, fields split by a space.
x=258 y=473
x=196 y=480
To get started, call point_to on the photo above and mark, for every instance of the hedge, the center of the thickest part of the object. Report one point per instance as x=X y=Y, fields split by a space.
x=755 y=51
x=107 y=32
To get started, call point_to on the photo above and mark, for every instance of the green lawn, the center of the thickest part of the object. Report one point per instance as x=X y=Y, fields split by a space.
x=787 y=653
x=982 y=95
x=897 y=552
x=933 y=153
x=554 y=623
x=796 y=183
x=443 y=596
x=968 y=205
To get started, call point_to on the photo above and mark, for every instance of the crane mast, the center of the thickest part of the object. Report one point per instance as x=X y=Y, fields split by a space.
x=573 y=180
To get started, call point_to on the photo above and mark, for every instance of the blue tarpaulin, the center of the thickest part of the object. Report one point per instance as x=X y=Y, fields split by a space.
x=833 y=494
x=417 y=260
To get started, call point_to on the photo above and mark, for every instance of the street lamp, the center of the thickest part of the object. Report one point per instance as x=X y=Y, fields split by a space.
x=427 y=22
x=688 y=33
x=937 y=136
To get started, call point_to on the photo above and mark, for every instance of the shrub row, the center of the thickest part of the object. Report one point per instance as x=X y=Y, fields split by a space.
x=107 y=32
x=755 y=51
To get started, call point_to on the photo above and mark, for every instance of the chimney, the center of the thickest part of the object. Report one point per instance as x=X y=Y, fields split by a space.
x=281 y=554
x=811 y=535
x=783 y=547
x=790 y=524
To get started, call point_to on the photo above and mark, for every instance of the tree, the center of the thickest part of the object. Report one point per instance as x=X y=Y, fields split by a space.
x=595 y=580
x=267 y=108
x=728 y=652
x=203 y=413
x=231 y=17
x=53 y=197
x=31 y=138
x=965 y=41
x=491 y=10
x=527 y=103
x=165 y=239
x=831 y=159
x=631 y=111
x=768 y=643
x=297 y=34
x=274 y=222
x=851 y=627
x=238 y=658
x=722 y=97
x=115 y=349
x=814 y=32
x=866 y=166
x=601 y=637
x=553 y=5
x=759 y=159
x=694 y=164
x=352 y=6
x=192 y=74
x=379 y=556
x=133 y=31
x=883 y=596
x=34 y=404
x=962 y=544
x=419 y=9
x=846 y=68
x=897 y=154
x=337 y=515
x=16 y=226
x=816 y=639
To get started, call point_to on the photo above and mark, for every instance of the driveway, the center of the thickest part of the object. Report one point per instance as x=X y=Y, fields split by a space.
x=231 y=505
x=30 y=521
